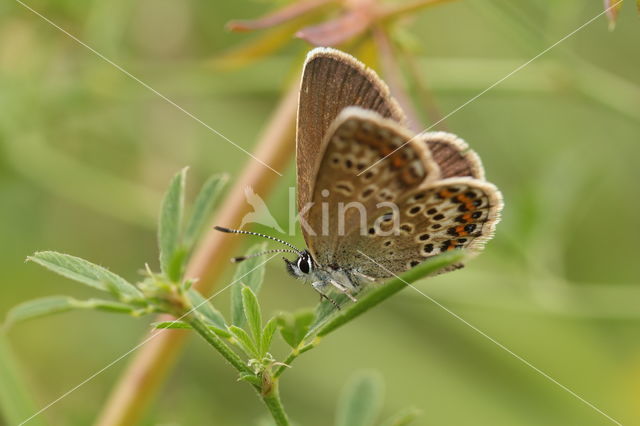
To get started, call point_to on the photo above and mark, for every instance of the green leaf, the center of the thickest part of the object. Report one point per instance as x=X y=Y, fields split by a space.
x=184 y=325
x=247 y=345
x=267 y=335
x=202 y=208
x=360 y=400
x=169 y=227
x=252 y=313
x=57 y=304
x=16 y=403
x=293 y=327
x=204 y=307
x=403 y=418
x=177 y=264
x=171 y=324
x=106 y=305
x=251 y=378
x=87 y=273
x=37 y=308
x=250 y=273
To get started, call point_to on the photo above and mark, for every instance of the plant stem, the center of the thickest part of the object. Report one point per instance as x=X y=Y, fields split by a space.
x=16 y=403
x=271 y=398
x=371 y=299
x=425 y=95
x=293 y=355
x=201 y=328
x=274 y=404
x=408 y=8
x=153 y=361
x=393 y=76
x=387 y=290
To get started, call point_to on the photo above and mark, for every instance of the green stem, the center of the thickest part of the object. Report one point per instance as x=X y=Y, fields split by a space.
x=16 y=401
x=293 y=355
x=271 y=398
x=371 y=299
x=387 y=290
x=203 y=330
x=274 y=404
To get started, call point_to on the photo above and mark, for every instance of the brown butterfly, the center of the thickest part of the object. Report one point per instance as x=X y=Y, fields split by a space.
x=368 y=188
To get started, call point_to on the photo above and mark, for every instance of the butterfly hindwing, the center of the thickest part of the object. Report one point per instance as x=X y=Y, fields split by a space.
x=454 y=213
x=352 y=185
x=453 y=155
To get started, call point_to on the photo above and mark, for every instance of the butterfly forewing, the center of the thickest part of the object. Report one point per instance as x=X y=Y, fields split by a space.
x=348 y=192
x=331 y=81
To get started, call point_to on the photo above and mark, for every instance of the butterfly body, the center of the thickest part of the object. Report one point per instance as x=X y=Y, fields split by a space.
x=322 y=277
x=374 y=198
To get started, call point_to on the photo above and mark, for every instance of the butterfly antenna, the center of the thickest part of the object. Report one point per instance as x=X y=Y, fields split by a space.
x=239 y=231
x=241 y=258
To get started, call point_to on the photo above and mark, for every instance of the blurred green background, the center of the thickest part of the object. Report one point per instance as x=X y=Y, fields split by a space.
x=86 y=152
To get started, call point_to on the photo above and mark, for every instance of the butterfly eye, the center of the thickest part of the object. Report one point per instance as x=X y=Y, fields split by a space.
x=303 y=265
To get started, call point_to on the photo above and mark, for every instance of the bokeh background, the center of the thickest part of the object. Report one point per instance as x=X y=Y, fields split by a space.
x=86 y=152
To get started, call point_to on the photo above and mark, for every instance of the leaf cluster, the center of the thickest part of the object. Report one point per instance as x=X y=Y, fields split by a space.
x=246 y=340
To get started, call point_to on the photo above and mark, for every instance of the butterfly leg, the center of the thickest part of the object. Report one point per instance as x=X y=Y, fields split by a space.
x=317 y=287
x=343 y=289
x=363 y=276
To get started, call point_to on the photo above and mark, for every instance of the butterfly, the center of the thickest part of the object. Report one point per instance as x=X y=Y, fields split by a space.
x=368 y=188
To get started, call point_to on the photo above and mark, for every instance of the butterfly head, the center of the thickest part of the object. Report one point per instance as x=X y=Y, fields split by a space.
x=302 y=267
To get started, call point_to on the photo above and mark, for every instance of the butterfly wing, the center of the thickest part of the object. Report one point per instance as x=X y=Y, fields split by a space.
x=453 y=155
x=331 y=81
x=454 y=213
x=400 y=211
x=351 y=185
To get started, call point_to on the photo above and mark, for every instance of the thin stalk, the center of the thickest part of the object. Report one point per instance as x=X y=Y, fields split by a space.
x=140 y=382
x=274 y=404
x=393 y=76
x=408 y=8
x=271 y=398
x=205 y=332
x=425 y=95
x=371 y=299
x=16 y=402
x=295 y=354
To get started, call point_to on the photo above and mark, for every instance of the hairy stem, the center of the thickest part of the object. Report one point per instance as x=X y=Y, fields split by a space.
x=295 y=354
x=205 y=332
x=270 y=396
x=274 y=404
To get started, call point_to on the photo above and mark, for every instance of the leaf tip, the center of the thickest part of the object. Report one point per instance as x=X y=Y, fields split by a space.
x=34 y=256
x=612 y=8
